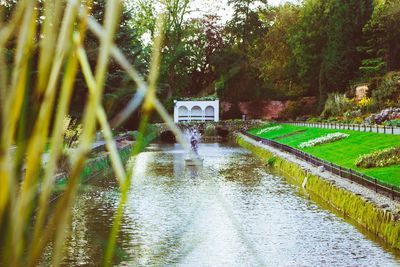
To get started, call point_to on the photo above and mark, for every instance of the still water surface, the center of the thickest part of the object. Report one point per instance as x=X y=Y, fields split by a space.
x=234 y=212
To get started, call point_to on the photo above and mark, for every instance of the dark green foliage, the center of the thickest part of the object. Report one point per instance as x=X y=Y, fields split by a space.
x=118 y=86
x=273 y=59
x=210 y=130
x=308 y=40
x=295 y=109
x=245 y=26
x=341 y=57
x=382 y=35
x=237 y=78
x=266 y=52
x=263 y=52
x=325 y=43
x=386 y=91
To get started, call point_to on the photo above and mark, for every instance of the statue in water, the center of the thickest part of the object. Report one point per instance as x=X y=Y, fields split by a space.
x=194 y=143
x=194 y=136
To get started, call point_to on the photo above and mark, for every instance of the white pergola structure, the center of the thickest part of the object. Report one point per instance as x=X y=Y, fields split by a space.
x=196 y=111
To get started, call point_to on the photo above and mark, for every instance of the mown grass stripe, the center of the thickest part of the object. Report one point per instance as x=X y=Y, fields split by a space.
x=343 y=152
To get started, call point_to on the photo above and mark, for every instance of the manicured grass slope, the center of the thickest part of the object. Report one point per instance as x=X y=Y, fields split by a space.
x=343 y=152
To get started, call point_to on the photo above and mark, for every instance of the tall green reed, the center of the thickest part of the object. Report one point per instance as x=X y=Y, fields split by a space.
x=26 y=184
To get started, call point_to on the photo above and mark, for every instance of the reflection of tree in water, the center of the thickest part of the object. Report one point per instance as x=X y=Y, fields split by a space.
x=241 y=169
x=92 y=216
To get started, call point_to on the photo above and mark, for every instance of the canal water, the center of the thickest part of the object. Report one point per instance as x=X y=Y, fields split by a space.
x=233 y=212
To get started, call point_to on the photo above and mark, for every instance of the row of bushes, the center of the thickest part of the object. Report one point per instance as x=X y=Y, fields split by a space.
x=384 y=92
x=381 y=158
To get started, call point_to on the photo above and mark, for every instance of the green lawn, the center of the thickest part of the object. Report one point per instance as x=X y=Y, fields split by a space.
x=343 y=152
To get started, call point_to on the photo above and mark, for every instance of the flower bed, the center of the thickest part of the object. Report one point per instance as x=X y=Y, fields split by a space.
x=384 y=115
x=269 y=129
x=333 y=137
x=381 y=158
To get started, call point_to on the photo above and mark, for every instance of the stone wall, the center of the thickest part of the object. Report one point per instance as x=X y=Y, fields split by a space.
x=361 y=92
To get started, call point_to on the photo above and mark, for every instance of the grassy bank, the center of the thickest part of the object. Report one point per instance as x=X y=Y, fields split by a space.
x=343 y=152
x=381 y=222
x=94 y=166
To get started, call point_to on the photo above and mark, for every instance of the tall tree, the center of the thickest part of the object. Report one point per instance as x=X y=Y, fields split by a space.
x=238 y=78
x=325 y=43
x=118 y=86
x=382 y=34
x=341 y=56
x=308 y=41
x=206 y=42
x=245 y=25
x=274 y=58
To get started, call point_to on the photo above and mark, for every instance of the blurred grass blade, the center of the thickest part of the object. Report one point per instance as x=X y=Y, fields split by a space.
x=56 y=141
x=13 y=108
x=39 y=136
x=52 y=14
x=147 y=108
x=137 y=99
x=102 y=118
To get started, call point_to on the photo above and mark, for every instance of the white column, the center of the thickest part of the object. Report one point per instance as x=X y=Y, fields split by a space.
x=176 y=109
x=216 y=110
x=189 y=113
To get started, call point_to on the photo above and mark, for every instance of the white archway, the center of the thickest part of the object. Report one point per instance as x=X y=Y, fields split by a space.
x=209 y=113
x=196 y=111
x=183 y=113
x=196 y=114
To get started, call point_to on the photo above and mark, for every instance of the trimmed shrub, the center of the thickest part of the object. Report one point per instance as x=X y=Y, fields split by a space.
x=381 y=158
x=329 y=138
x=210 y=130
x=336 y=105
x=395 y=123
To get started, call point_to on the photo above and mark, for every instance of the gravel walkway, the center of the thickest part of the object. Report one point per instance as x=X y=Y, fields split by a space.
x=379 y=200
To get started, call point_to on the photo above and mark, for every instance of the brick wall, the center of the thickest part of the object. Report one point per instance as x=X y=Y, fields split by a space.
x=262 y=109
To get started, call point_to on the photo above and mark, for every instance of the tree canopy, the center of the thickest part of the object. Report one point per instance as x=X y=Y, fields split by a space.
x=260 y=52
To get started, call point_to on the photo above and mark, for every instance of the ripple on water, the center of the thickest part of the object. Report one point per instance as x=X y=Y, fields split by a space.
x=234 y=212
